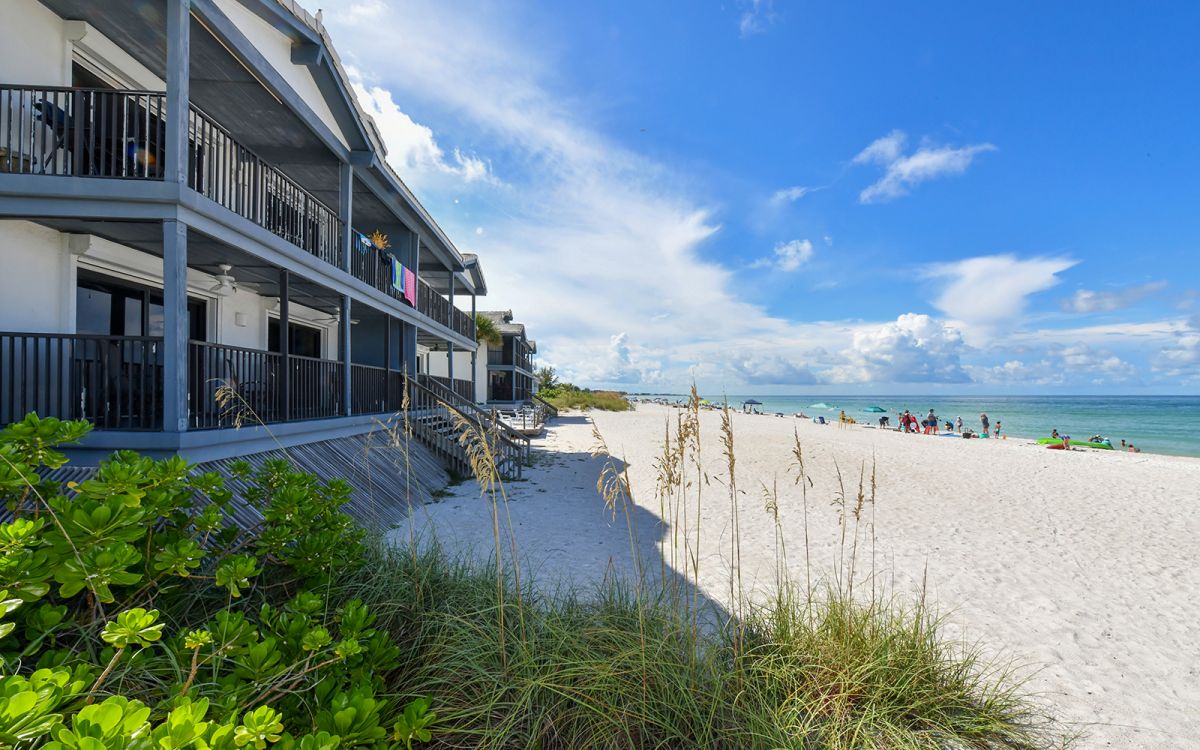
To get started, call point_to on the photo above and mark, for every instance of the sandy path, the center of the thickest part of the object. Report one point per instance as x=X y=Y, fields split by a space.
x=1083 y=563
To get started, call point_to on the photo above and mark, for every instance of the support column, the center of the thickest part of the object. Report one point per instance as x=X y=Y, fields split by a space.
x=344 y=348
x=387 y=362
x=450 y=346
x=408 y=332
x=346 y=212
x=179 y=26
x=285 y=346
x=175 y=327
x=474 y=354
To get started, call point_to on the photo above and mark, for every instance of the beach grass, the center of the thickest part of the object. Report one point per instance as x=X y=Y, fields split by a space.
x=623 y=667
x=652 y=662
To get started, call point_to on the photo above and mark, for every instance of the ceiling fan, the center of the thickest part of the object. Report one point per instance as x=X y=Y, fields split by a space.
x=226 y=285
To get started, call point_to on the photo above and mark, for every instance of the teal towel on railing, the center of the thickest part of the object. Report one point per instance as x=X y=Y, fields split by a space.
x=397 y=276
x=364 y=242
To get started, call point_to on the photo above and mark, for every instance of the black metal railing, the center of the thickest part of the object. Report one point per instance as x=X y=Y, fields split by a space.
x=432 y=305
x=316 y=388
x=462 y=323
x=462 y=388
x=57 y=130
x=369 y=390
x=232 y=385
x=113 y=381
x=232 y=175
x=374 y=266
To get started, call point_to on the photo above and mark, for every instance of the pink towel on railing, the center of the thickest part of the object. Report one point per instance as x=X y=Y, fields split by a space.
x=410 y=286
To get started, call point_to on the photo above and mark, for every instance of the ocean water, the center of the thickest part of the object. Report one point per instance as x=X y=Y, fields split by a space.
x=1156 y=424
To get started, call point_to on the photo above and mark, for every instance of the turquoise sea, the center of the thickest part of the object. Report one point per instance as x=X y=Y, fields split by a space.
x=1156 y=424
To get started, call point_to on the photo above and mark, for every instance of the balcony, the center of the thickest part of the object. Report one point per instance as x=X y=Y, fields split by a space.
x=116 y=382
x=121 y=134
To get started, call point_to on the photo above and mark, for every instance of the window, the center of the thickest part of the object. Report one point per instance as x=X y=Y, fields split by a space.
x=107 y=306
x=303 y=341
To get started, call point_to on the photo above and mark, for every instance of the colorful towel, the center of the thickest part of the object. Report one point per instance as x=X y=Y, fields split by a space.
x=364 y=242
x=410 y=286
x=397 y=276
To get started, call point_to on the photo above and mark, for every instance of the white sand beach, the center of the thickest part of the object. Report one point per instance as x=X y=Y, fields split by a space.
x=1080 y=564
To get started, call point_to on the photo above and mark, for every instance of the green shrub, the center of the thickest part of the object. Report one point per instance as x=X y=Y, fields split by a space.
x=568 y=396
x=136 y=614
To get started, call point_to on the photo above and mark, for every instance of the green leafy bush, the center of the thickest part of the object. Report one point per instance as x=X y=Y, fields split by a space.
x=135 y=613
x=568 y=396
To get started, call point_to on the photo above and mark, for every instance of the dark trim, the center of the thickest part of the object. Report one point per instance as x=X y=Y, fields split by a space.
x=211 y=445
x=228 y=32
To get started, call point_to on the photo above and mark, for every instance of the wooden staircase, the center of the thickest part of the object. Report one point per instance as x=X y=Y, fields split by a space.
x=438 y=417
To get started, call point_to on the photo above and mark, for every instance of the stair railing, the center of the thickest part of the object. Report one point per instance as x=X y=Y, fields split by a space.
x=511 y=449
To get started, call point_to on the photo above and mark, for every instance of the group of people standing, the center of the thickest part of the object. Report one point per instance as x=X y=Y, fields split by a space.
x=930 y=425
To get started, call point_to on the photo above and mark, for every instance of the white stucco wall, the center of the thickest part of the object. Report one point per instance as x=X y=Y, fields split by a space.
x=34 y=50
x=438 y=365
x=37 y=289
x=277 y=48
x=35 y=280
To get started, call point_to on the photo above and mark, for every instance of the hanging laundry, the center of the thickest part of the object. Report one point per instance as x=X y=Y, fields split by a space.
x=398 y=276
x=410 y=286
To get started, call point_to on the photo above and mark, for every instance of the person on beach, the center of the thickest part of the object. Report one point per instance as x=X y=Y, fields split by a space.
x=958 y=424
x=1122 y=442
x=1054 y=435
x=931 y=423
x=984 y=421
x=997 y=428
x=1133 y=449
x=1066 y=442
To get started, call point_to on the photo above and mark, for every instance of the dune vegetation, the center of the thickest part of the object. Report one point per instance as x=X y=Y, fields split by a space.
x=568 y=396
x=154 y=606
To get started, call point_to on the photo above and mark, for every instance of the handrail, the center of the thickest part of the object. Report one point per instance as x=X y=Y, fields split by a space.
x=484 y=418
x=550 y=408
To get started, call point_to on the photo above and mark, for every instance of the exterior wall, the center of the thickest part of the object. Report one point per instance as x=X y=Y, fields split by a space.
x=437 y=366
x=277 y=48
x=38 y=274
x=41 y=297
x=35 y=46
x=39 y=47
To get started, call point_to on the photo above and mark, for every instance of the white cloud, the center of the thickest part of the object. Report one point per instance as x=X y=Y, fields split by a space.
x=1180 y=358
x=787 y=256
x=412 y=149
x=791 y=194
x=913 y=349
x=986 y=292
x=902 y=173
x=757 y=16
x=771 y=369
x=1089 y=301
x=1077 y=364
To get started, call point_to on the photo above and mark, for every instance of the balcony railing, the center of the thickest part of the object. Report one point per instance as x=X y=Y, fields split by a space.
x=122 y=134
x=54 y=130
x=113 y=381
x=231 y=385
x=232 y=175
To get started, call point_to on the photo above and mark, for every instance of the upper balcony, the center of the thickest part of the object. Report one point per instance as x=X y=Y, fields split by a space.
x=120 y=134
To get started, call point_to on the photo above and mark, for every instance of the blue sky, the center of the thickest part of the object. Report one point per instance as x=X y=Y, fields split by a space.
x=784 y=197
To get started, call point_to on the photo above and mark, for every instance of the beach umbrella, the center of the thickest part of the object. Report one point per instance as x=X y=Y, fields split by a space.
x=752 y=402
x=875 y=410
